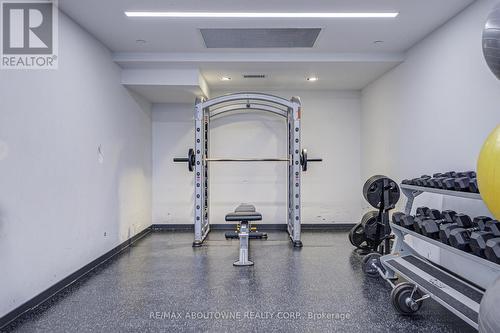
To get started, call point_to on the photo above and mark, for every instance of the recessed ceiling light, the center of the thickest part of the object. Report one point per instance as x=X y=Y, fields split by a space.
x=378 y=42
x=259 y=15
x=140 y=41
x=225 y=78
x=312 y=79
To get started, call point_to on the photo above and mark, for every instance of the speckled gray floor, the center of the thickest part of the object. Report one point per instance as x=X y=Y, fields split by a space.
x=162 y=276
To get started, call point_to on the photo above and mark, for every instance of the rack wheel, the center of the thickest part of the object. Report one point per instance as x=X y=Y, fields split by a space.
x=370 y=264
x=406 y=298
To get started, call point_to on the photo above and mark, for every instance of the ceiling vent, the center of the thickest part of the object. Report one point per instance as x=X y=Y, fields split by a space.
x=260 y=38
x=254 y=76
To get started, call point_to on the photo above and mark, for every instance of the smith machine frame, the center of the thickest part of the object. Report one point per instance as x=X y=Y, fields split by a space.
x=199 y=158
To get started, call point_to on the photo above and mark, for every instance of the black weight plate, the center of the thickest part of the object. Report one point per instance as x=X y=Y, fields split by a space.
x=400 y=294
x=303 y=159
x=369 y=223
x=370 y=264
x=191 y=159
x=373 y=191
x=357 y=237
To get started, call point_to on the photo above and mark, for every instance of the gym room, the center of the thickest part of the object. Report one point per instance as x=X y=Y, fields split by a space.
x=250 y=166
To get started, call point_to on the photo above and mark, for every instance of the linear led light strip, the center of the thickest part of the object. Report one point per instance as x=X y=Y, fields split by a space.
x=260 y=15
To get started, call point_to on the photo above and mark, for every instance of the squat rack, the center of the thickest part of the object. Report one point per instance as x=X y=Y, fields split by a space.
x=198 y=158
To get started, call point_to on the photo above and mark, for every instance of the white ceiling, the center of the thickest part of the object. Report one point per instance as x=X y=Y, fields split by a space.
x=344 y=56
x=280 y=76
x=106 y=21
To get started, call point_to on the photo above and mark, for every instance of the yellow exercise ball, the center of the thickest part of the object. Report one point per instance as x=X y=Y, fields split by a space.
x=488 y=172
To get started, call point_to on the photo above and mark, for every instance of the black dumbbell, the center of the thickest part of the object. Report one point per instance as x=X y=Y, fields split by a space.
x=406 y=181
x=431 y=227
x=460 y=238
x=422 y=211
x=407 y=222
x=470 y=174
x=479 y=238
x=450 y=174
x=435 y=214
x=454 y=221
x=431 y=182
x=462 y=184
x=422 y=180
x=422 y=214
x=437 y=175
x=440 y=182
x=414 y=181
x=427 y=182
x=492 y=250
x=473 y=186
x=449 y=184
x=397 y=218
x=437 y=182
x=449 y=215
x=418 y=222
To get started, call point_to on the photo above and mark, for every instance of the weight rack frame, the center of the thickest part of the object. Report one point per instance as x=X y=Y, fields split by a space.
x=460 y=280
x=204 y=111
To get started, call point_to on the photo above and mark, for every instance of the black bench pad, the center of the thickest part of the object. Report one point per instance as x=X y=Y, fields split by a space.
x=243 y=216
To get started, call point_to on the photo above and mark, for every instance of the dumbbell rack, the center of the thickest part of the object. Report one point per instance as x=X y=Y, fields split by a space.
x=460 y=280
x=412 y=191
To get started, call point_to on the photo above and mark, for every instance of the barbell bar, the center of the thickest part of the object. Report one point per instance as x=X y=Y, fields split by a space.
x=190 y=160
x=247 y=159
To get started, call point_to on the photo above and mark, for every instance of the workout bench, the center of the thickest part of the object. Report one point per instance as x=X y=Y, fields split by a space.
x=244 y=214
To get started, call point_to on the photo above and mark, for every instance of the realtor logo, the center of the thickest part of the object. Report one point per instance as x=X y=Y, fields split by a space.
x=29 y=34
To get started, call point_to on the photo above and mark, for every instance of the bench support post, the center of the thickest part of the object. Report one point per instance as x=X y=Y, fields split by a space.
x=244 y=235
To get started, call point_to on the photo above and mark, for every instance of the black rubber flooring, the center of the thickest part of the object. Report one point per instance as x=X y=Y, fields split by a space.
x=162 y=284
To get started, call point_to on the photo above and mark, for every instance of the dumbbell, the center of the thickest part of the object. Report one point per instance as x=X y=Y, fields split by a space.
x=449 y=184
x=460 y=238
x=424 y=214
x=422 y=211
x=473 y=186
x=421 y=214
x=470 y=174
x=462 y=184
x=437 y=182
x=407 y=222
x=454 y=221
x=463 y=180
x=397 y=218
x=492 y=250
x=480 y=238
x=450 y=174
x=421 y=181
x=431 y=227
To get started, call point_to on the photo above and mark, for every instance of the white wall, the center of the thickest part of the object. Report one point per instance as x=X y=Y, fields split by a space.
x=331 y=190
x=60 y=208
x=433 y=112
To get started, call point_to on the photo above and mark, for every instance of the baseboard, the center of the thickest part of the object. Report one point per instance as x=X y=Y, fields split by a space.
x=327 y=226
x=68 y=281
x=263 y=227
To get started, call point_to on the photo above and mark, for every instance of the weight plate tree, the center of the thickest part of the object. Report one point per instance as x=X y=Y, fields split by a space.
x=198 y=160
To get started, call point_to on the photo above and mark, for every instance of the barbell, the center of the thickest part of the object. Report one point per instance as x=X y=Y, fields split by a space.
x=191 y=159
